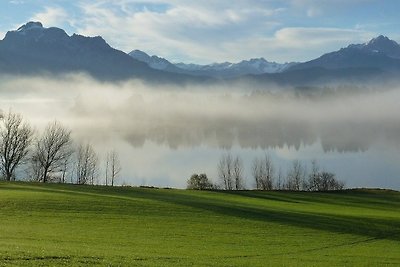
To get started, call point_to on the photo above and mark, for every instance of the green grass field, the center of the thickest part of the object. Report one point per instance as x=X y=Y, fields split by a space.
x=81 y=225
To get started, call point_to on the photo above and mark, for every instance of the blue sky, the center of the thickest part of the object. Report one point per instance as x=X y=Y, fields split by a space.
x=215 y=30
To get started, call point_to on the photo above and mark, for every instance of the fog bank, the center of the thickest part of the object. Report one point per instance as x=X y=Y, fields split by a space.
x=136 y=117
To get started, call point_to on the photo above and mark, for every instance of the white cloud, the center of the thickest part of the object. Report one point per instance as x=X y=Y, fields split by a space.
x=17 y=2
x=318 y=37
x=308 y=43
x=314 y=12
x=315 y=8
x=184 y=30
x=296 y=44
x=51 y=16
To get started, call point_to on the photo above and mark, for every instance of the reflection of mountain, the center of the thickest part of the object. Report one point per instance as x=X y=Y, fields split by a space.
x=275 y=132
x=346 y=123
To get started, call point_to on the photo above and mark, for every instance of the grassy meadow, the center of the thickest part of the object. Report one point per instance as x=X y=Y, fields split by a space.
x=68 y=225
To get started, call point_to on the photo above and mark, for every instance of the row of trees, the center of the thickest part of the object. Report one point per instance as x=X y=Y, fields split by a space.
x=265 y=177
x=230 y=172
x=50 y=156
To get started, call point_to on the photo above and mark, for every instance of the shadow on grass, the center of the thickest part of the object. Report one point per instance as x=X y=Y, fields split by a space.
x=214 y=201
x=375 y=199
x=370 y=227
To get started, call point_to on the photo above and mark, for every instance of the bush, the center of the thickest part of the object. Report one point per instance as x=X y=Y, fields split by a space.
x=199 y=182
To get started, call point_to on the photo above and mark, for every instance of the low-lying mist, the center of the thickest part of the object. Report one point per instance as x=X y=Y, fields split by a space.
x=205 y=118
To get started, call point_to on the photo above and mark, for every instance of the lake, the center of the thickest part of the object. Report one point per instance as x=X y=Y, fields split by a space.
x=164 y=134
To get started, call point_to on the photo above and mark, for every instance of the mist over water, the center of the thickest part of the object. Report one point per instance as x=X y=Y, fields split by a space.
x=166 y=133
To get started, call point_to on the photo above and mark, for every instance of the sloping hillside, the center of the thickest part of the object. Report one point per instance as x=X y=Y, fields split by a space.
x=77 y=225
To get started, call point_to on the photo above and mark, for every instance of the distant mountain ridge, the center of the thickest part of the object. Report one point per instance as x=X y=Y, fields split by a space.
x=381 y=44
x=356 y=62
x=380 y=53
x=155 y=62
x=33 y=49
x=224 y=70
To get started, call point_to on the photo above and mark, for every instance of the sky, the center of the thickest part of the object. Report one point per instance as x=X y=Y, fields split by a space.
x=214 y=30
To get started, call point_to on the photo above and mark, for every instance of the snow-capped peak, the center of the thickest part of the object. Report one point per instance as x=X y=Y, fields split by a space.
x=379 y=40
x=244 y=67
x=384 y=45
x=380 y=44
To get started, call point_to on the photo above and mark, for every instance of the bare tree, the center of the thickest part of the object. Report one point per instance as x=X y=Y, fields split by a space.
x=51 y=151
x=279 y=184
x=257 y=171
x=94 y=173
x=295 y=177
x=322 y=180
x=86 y=164
x=113 y=166
x=64 y=170
x=269 y=172
x=34 y=170
x=238 y=173
x=329 y=182
x=15 y=139
x=263 y=173
x=225 y=171
x=107 y=168
x=314 y=178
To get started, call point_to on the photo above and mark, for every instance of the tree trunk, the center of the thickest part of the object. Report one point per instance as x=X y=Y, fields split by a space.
x=8 y=176
x=45 y=175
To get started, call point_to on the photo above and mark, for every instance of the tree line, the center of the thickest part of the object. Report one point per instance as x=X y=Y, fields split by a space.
x=50 y=156
x=265 y=176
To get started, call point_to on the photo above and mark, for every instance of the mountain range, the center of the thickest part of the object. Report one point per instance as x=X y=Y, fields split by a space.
x=380 y=52
x=221 y=70
x=33 y=49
